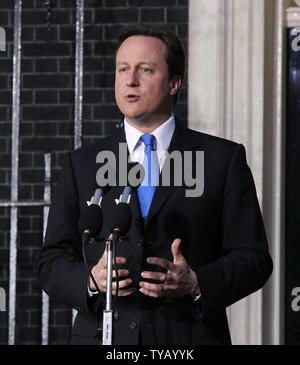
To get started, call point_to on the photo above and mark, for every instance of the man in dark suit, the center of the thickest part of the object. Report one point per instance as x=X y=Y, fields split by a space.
x=184 y=259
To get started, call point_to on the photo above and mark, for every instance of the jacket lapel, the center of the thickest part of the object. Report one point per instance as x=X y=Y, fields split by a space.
x=181 y=141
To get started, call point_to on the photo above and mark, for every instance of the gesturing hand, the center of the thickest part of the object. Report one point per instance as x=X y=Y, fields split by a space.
x=179 y=280
x=99 y=273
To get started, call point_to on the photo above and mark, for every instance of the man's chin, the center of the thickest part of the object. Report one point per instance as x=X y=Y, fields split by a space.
x=143 y=120
x=135 y=118
x=137 y=121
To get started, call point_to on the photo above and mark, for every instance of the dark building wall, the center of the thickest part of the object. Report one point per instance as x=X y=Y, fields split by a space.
x=47 y=122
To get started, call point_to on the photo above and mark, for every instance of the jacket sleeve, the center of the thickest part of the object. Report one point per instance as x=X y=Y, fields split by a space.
x=59 y=266
x=245 y=263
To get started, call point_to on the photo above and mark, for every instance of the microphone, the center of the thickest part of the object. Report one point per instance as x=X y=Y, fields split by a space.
x=91 y=219
x=120 y=217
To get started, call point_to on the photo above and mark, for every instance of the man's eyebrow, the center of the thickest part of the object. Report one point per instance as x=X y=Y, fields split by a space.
x=140 y=63
x=148 y=63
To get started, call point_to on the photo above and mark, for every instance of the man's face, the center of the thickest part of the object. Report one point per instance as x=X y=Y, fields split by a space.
x=143 y=90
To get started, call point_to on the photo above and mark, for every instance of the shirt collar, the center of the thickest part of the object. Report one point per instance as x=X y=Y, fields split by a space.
x=163 y=134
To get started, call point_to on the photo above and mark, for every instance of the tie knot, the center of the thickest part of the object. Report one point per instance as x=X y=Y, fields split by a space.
x=148 y=139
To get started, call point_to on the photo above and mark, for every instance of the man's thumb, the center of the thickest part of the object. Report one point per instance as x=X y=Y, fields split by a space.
x=175 y=248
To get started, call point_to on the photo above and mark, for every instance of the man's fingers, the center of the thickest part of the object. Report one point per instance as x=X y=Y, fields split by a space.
x=121 y=273
x=124 y=292
x=160 y=262
x=122 y=283
x=155 y=290
x=158 y=288
x=103 y=261
x=119 y=261
x=150 y=293
x=154 y=275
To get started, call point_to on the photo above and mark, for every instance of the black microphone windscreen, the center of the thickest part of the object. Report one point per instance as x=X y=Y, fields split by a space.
x=91 y=219
x=120 y=218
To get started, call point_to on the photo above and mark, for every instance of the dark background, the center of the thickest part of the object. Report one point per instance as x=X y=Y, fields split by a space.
x=47 y=122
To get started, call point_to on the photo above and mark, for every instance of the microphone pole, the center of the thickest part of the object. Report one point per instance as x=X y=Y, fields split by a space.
x=108 y=311
x=120 y=223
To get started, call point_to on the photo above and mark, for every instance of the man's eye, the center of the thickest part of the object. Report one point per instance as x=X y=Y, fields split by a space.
x=145 y=69
x=123 y=69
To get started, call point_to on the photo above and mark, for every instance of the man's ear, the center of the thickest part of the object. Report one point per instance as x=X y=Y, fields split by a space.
x=175 y=85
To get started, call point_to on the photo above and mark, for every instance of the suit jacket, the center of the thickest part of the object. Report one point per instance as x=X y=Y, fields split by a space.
x=223 y=240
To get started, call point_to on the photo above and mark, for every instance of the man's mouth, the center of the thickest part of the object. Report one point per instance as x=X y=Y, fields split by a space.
x=132 y=97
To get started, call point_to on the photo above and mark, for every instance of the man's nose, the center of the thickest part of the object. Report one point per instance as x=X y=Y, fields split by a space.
x=132 y=78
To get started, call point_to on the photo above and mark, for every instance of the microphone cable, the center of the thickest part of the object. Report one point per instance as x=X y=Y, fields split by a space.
x=90 y=272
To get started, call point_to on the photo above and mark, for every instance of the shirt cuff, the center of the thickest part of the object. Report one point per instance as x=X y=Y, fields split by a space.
x=91 y=293
x=196 y=297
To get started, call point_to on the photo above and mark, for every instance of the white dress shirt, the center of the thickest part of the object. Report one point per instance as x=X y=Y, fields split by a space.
x=163 y=135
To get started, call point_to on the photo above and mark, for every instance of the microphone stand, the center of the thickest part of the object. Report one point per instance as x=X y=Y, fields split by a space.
x=110 y=246
x=108 y=311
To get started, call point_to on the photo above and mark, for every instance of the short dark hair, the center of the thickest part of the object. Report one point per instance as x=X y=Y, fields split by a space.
x=175 y=58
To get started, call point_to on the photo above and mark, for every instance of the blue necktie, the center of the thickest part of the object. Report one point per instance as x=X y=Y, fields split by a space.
x=151 y=167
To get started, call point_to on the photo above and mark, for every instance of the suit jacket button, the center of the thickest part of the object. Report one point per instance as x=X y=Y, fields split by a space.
x=132 y=325
x=140 y=242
